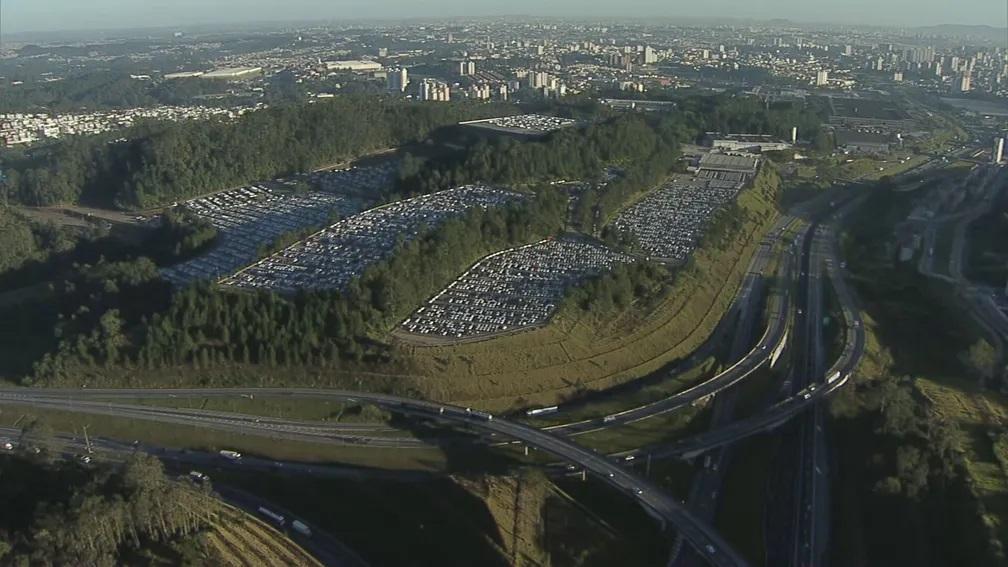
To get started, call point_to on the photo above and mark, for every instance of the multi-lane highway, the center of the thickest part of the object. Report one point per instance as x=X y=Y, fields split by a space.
x=653 y=499
x=764 y=352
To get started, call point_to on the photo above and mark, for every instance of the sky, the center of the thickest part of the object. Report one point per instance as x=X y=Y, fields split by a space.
x=57 y=15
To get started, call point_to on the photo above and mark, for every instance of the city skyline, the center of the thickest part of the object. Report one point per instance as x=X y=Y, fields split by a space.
x=24 y=16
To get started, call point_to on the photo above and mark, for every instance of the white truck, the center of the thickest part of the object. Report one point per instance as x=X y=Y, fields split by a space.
x=301 y=528
x=231 y=455
x=277 y=518
x=542 y=411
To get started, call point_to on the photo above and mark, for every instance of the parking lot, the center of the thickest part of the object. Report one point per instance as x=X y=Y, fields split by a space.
x=361 y=181
x=669 y=222
x=247 y=219
x=525 y=124
x=510 y=290
x=251 y=217
x=330 y=259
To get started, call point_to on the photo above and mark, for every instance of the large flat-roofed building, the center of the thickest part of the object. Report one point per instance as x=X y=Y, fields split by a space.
x=869 y=113
x=747 y=142
x=184 y=75
x=233 y=73
x=357 y=66
x=645 y=105
x=863 y=142
x=729 y=163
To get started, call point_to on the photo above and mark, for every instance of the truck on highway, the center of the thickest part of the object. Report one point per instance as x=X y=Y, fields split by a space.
x=198 y=477
x=301 y=528
x=542 y=411
x=277 y=518
x=483 y=414
x=232 y=455
x=609 y=419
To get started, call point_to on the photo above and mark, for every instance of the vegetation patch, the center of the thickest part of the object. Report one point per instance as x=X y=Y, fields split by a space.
x=60 y=512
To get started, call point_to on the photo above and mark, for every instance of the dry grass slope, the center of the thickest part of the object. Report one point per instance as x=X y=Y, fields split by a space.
x=516 y=504
x=240 y=539
x=575 y=354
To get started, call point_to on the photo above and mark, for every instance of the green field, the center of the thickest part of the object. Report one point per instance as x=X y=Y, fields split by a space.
x=183 y=437
x=324 y=411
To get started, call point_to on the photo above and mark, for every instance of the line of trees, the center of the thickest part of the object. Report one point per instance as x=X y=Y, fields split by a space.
x=59 y=513
x=160 y=162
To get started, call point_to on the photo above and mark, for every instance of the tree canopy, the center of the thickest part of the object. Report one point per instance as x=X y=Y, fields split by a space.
x=159 y=163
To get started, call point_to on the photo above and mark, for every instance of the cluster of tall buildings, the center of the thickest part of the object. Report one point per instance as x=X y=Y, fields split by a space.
x=434 y=90
x=398 y=80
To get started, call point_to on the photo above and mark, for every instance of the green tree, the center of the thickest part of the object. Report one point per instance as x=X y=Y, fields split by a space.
x=980 y=359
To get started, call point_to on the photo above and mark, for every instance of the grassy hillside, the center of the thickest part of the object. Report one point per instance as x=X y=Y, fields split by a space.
x=516 y=504
x=577 y=352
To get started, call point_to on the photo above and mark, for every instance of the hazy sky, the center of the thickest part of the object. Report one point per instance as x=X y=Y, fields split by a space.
x=32 y=15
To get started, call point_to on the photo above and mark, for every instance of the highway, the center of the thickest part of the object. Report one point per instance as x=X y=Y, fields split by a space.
x=704 y=490
x=772 y=339
x=708 y=543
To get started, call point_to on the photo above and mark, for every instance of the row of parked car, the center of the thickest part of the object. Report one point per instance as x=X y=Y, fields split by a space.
x=332 y=258
x=668 y=223
x=512 y=289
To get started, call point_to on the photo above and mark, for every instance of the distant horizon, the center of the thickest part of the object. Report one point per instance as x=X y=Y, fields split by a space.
x=45 y=17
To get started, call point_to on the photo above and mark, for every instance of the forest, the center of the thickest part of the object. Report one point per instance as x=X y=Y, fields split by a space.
x=160 y=163
x=56 y=512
